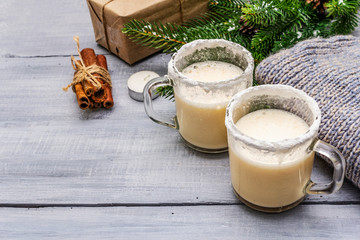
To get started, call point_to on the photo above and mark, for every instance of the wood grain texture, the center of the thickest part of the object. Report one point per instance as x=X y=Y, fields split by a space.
x=116 y=174
x=194 y=222
x=116 y=161
x=32 y=89
x=44 y=28
x=51 y=152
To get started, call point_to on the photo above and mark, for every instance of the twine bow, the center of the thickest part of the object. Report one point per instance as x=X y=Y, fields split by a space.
x=83 y=73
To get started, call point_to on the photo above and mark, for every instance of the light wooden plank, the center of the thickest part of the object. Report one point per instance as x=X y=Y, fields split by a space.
x=121 y=161
x=32 y=89
x=52 y=152
x=44 y=28
x=195 y=222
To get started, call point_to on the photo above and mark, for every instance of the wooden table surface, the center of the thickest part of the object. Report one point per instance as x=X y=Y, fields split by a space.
x=114 y=174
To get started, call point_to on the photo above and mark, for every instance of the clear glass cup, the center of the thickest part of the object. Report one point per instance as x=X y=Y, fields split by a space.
x=275 y=176
x=200 y=106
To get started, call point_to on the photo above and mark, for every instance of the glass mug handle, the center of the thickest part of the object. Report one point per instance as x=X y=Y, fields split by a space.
x=149 y=89
x=338 y=162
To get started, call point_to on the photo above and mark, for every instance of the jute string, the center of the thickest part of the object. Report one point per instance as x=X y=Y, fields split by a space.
x=104 y=20
x=181 y=11
x=83 y=73
x=104 y=24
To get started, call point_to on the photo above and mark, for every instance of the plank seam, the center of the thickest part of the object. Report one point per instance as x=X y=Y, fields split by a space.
x=89 y=205
x=43 y=56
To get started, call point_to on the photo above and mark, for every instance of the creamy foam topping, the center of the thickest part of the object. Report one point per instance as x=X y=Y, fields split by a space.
x=272 y=125
x=212 y=71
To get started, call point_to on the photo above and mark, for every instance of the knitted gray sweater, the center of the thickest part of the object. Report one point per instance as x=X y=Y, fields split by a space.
x=329 y=71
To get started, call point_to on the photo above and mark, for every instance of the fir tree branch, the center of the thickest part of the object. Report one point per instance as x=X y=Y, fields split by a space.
x=340 y=8
x=208 y=18
x=169 y=37
x=344 y=24
x=344 y=13
x=262 y=43
x=314 y=29
x=278 y=24
x=227 y=7
x=261 y=14
x=289 y=20
x=166 y=92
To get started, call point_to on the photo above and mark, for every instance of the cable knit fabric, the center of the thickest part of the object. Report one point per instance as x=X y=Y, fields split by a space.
x=329 y=71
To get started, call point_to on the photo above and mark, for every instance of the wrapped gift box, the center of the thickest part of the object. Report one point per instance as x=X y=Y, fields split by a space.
x=109 y=16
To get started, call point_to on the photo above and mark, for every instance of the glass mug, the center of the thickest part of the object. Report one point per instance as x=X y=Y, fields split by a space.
x=200 y=106
x=272 y=176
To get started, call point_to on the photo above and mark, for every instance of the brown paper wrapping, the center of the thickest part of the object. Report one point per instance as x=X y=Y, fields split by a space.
x=115 y=13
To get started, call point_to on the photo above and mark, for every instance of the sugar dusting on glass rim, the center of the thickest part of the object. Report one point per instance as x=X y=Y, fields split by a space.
x=211 y=43
x=280 y=145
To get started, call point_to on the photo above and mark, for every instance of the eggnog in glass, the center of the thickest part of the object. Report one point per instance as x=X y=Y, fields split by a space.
x=272 y=140
x=202 y=121
x=204 y=74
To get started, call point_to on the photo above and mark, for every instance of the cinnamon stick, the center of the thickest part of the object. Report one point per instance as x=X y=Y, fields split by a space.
x=89 y=57
x=81 y=97
x=88 y=88
x=91 y=105
x=97 y=105
x=94 y=105
x=109 y=101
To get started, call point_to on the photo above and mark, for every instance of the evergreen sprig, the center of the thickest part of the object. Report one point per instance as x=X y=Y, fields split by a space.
x=226 y=6
x=169 y=37
x=344 y=13
x=261 y=13
x=278 y=24
x=166 y=92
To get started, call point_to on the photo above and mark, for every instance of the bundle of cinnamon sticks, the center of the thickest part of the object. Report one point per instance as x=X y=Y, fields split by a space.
x=88 y=95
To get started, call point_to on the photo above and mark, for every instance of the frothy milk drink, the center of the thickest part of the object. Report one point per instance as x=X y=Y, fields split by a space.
x=270 y=182
x=202 y=122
